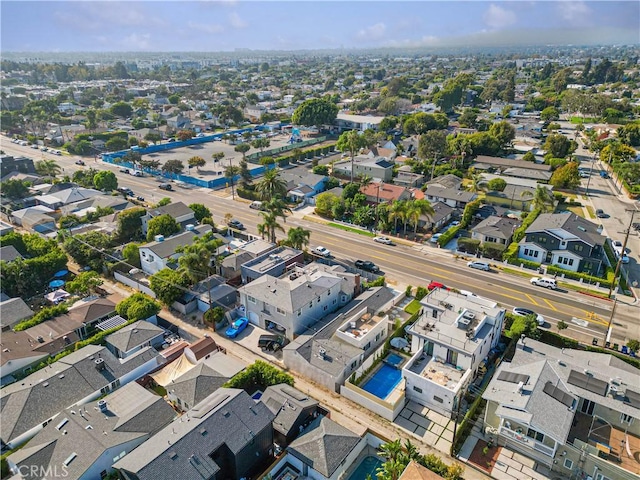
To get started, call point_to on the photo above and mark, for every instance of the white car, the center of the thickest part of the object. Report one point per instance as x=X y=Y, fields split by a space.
x=617 y=246
x=322 y=251
x=479 y=265
x=525 y=312
x=544 y=282
x=434 y=238
x=383 y=240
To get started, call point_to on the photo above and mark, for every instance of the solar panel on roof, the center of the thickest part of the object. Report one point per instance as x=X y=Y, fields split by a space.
x=110 y=323
x=588 y=382
x=632 y=398
x=513 y=377
x=563 y=397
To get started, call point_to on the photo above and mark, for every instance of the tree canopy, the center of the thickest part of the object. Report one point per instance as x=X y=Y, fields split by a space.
x=164 y=225
x=315 y=112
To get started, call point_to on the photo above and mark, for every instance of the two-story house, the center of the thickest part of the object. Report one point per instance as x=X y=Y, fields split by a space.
x=453 y=335
x=274 y=263
x=296 y=301
x=157 y=255
x=566 y=241
x=177 y=210
x=514 y=196
x=574 y=411
x=377 y=168
x=345 y=121
x=227 y=435
x=128 y=340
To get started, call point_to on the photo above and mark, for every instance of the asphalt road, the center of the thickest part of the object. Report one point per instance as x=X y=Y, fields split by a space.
x=403 y=265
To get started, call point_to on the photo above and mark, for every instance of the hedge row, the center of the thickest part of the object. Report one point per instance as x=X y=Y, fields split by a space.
x=605 y=282
x=467 y=216
x=43 y=315
x=104 y=136
x=519 y=233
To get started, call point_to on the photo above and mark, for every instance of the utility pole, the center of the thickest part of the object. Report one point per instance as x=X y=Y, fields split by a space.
x=590 y=174
x=233 y=193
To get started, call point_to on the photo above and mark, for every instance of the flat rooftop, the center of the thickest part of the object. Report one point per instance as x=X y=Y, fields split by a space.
x=275 y=257
x=359 y=325
x=436 y=371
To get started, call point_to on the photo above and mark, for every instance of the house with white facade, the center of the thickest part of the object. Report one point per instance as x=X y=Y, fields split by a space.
x=157 y=255
x=132 y=338
x=177 y=210
x=450 y=339
x=294 y=302
x=346 y=121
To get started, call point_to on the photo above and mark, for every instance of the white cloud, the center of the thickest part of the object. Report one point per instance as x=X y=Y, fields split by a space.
x=236 y=21
x=498 y=17
x=206 y=28
x=373 y=32
x=573 y=12
x=137 y=41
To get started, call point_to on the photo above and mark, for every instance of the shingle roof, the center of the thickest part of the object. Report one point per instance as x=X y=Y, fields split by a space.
x=9 y=253
x=92 y=310
x=176 y=209
x=324 y=445
x=288 y=404
x=569 y=222
x=509 y=163
x=498 y=227
x=46 y=392
x=449 y=193
x=133 y=413
x=228 y=416
x=167 y=247
x=440 y=210
x=13 y=311
x=446 y=181
x=133 y=335
x=197 y=384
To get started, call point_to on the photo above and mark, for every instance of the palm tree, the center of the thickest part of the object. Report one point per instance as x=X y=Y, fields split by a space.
x=48 y=168
x=397 y=212
x=542 y=199
x=391 y=451
x=365 y=180
x=417 y=209
x=298 y=237
x=230 y=172
x=272 y=186
x=269 y=226
x=476 y=179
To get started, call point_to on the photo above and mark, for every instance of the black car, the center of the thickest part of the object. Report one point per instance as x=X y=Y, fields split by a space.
x=236 y=224
x=367 y=265
x=127 y=191
x=600 y=213
x=80 y=162
x=272 y=342
x=165 y=186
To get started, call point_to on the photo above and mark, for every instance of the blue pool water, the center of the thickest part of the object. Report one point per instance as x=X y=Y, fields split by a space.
x=368 y=466
x=394 y=359
x=383 y=381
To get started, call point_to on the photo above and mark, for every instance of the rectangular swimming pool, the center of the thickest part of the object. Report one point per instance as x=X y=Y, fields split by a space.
x=382 y=383
x=368 y=466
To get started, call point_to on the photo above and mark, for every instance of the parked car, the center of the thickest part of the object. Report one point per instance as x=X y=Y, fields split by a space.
x=600 y=213
x=479 y=265
x=434 y=285
x=236 y=224
x=140 y=198
x=544 y=282
x=584 y=174
x=165 y=186
x=322 y=251
x=434 y=238
x=383 y=240
x=124 y=170
x=525 y=312
x=272 y=342
x=80 y=162
x=127 y=191
x=604 y=174
x=237 y=327
x=367 y=265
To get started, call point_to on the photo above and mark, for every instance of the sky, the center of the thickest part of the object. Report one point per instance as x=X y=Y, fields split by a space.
x=210 y=26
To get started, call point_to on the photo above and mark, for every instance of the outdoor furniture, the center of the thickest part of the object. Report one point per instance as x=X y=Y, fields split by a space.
x=615 y=347
x=625 y=349
x=594 y=342
x=607 y=345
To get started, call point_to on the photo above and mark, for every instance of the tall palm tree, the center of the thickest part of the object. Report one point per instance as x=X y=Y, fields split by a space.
x=230 y=172
x=476 y=179
x=397 y=211
x=48 y=168
x=272 y=186
x=391 y=451
x=542 y=199
x=298 y=237
x=417 y=209
x=269 y=226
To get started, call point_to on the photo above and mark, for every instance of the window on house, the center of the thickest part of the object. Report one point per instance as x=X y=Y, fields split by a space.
x=570 y=261
x=151 y=258
x=144 y=254
x=434 y=313
x=343 y=298
x=628 y=419
x=367 y=346
x=542 y=239
x=531 y=433
x=311 y=304
x=251 y=299
x=438 y=399
x=334 y=302
x=568 y=463
x=353 y=365
x=535 y=254
x=325 y=308
x=417 y=389
x=587 y=265
x=280 y=311
x=299 y=312
x=579 y=247
x=600 y=476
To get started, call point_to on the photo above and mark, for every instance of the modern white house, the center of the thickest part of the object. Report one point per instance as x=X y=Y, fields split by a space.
x=452 y=337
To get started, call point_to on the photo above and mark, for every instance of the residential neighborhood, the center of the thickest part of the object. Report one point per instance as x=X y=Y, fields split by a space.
x=340 y=256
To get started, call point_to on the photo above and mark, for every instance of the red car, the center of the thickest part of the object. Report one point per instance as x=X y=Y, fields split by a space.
x=434 y=285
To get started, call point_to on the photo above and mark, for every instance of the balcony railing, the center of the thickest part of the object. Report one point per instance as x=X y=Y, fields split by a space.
x=529 y=442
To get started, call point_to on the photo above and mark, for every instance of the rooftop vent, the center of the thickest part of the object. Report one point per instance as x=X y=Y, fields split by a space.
x=102 y=405
x=159 y=238
x=99 y=363
x=520 y=387
x=190 y=227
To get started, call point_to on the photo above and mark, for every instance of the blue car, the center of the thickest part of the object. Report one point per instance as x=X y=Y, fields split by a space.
x=237 y=326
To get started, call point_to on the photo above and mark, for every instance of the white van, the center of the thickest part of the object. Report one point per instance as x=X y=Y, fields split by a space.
x=256 y=205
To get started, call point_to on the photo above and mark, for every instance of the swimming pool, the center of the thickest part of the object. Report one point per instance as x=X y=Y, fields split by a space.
x=382 y=383
x=368 y=466
x=394 y=360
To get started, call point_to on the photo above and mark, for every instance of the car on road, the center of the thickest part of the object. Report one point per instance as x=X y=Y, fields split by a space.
x=165 y=186
x=140 y=198
x=272 y=343
x=256 y=205
x=383 y=240
x=617 y=246
x=479 y=265
x=34 y=146
x=367 y=266
x=237 y=327
x=525 y=312
x=127 y=191
x=600 y=213
x=604 y=174
x=434 y=285
x=124 y=170
x=137 y=173
x=544 y=282
x=236 y=224
x=322 y=251
x=584 y=174
x=80 y=162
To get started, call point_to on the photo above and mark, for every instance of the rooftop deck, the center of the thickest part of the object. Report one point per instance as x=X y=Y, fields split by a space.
x=362 y=325
x=437 y=371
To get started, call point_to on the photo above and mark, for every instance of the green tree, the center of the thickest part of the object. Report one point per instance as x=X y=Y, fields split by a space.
x=242 y=148
x=173 y=167
x=15 y=189
x=198 y=260
x=351 y=142
x=69 y=221
x=261 y=143
x=200 y=211
x=418 y=208
x=550 y=114
x=273 y=209
x=184 y=135
x=246 y=179
x=230 y=173
x=298 y=237
x=89 y=249
x=168 y=285
x=84 y=283
x=138 y=307
x=131 y=254
x=559 y=146
x=121 y=109
x=130 y=224
x=105 y=180
x=197 y=162
x=48 y=168
x=153 y=137
x=217 y=156
x=115 y=144
x=503 y=132
x=271 y=185
x=325 y=203
x=164 y=225
x=174 y=99
x=529 y=157
x=315 y=112
x=496 y=185
x=542 y=198
x=566 y=177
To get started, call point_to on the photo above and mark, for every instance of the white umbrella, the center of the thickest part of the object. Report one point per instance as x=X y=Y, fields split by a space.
x=399 y=342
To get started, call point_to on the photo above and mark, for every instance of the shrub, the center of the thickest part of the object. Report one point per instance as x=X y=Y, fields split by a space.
x=605 y=282
x=421 y=292
x=530 y=218
x=408 y=290
x=378 y=282
x=469 y=245
x=43 y=315
x=492 y=250
x=258 y=376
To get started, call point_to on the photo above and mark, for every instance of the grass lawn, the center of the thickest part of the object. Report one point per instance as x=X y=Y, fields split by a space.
x=413 y=307
x=351 y=229
x=583 y=120
x=577 y=210
x=512 y=271
x=592 y=212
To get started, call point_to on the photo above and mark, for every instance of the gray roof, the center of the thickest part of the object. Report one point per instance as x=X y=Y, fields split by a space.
x=498 y=227
x=440 y=210
x=176 y=209
x=13 y=311
x=446 y=181
x=298 y=177
x=324 y=445
x=9 y=253
x=134 y=335
x=133 y=414
x=500 y=162
x=45 y=393
x=197 y=384
x=288 y=405
x=526 y=173
x=167 y=247
x=512 y=191
x=227 y=417
x=569 y=222
x=545 y=363
x=449 y=193
x=339 y=354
